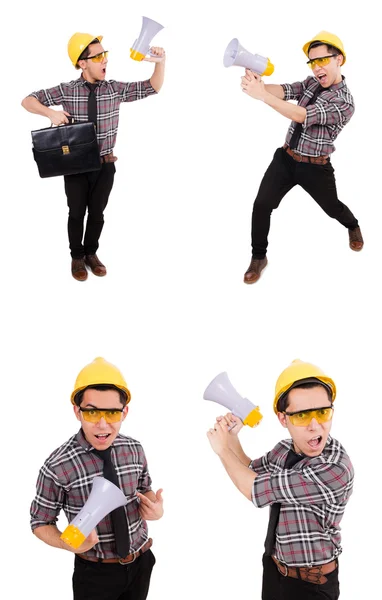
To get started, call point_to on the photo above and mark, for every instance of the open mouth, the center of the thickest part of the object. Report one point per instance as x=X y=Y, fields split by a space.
x=315 y=442
x=102 y=436
x=322 y=78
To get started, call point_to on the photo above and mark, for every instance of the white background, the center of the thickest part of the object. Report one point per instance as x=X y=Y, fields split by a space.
x=173 y=311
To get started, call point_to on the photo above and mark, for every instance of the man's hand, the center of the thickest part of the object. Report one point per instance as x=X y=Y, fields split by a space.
x=151 y=510
x=235 y=424
x=159 y=55
x=253 y=85
x=58 y=117
x=219 y=437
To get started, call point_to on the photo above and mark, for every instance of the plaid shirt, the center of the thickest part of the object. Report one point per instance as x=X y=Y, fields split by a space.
x=65 y=482
x=313 y=495
x=324 y=120
x=73 y=97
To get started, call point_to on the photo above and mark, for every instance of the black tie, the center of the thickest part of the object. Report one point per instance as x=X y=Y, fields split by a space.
x=118 y=516
x=298 y=127
x=291 y=460
x=92 y=103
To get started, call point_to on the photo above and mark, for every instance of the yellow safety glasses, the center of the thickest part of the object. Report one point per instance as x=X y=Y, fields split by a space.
x=320 y=62
x=93 y=415
x=97 y=58
x=302 y=418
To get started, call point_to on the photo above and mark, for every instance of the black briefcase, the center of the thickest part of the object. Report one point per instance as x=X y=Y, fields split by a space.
x=66 y=149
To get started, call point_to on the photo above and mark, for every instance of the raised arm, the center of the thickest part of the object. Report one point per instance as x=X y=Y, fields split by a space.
x=239 y=472
x=159 y=58
x=275 y=90
x=273 y=95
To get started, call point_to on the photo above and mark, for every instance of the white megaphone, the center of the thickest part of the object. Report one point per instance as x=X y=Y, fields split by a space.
x=103 y=499
x=141 y=46
x=236 y=55
x=221 y=390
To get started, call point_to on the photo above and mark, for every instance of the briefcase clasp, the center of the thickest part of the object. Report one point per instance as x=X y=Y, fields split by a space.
x=65 y=150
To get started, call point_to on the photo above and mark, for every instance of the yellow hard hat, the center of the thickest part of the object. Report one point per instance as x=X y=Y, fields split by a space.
x=326 y=38
x=100 y=372
x=77 y=44
x=297 y=372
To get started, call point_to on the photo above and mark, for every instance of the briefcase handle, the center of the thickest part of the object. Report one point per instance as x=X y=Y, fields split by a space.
x=71 y=121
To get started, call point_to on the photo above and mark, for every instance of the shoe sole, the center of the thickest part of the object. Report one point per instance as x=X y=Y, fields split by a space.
x=77 y=279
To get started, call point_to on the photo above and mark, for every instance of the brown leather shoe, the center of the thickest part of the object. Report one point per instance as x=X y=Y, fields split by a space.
x=254 y=270
x=79 y=271
x=95 y=265
x=355 y=239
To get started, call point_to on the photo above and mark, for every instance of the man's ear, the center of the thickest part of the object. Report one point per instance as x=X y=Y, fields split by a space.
x=77 y=411
x=124 y=412
x=282 y=418
x=340 y=60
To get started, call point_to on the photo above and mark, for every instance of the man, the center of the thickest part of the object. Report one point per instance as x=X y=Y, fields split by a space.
x=112 y=563
x=324 y=107
x=92 y=98
x=307 y=481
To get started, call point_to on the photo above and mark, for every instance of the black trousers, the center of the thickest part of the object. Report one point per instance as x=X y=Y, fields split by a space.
x=100 y=581
x=281 y=176
x=278 y=587
x=87 y=191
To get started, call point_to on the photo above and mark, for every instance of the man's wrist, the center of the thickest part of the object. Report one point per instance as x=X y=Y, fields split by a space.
x=267 y=97
x=225 y=452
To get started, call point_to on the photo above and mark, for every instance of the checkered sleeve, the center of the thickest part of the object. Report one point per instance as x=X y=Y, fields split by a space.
x=336 y=111
x=260 y=465
x=293 y=91
x=315 y=483
x=51 y=96
x=48 y=500
x=135 y=90
x=144 y=481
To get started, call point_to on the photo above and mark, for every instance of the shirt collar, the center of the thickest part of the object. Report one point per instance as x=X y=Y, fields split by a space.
x=82 y=81
x=337 y=86
x=332 y=88
x=82 y=441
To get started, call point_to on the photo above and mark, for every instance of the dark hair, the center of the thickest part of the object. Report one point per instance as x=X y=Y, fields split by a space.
x=282 y=403
x=102 y=387
x=85 y=53
x=330 y=49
